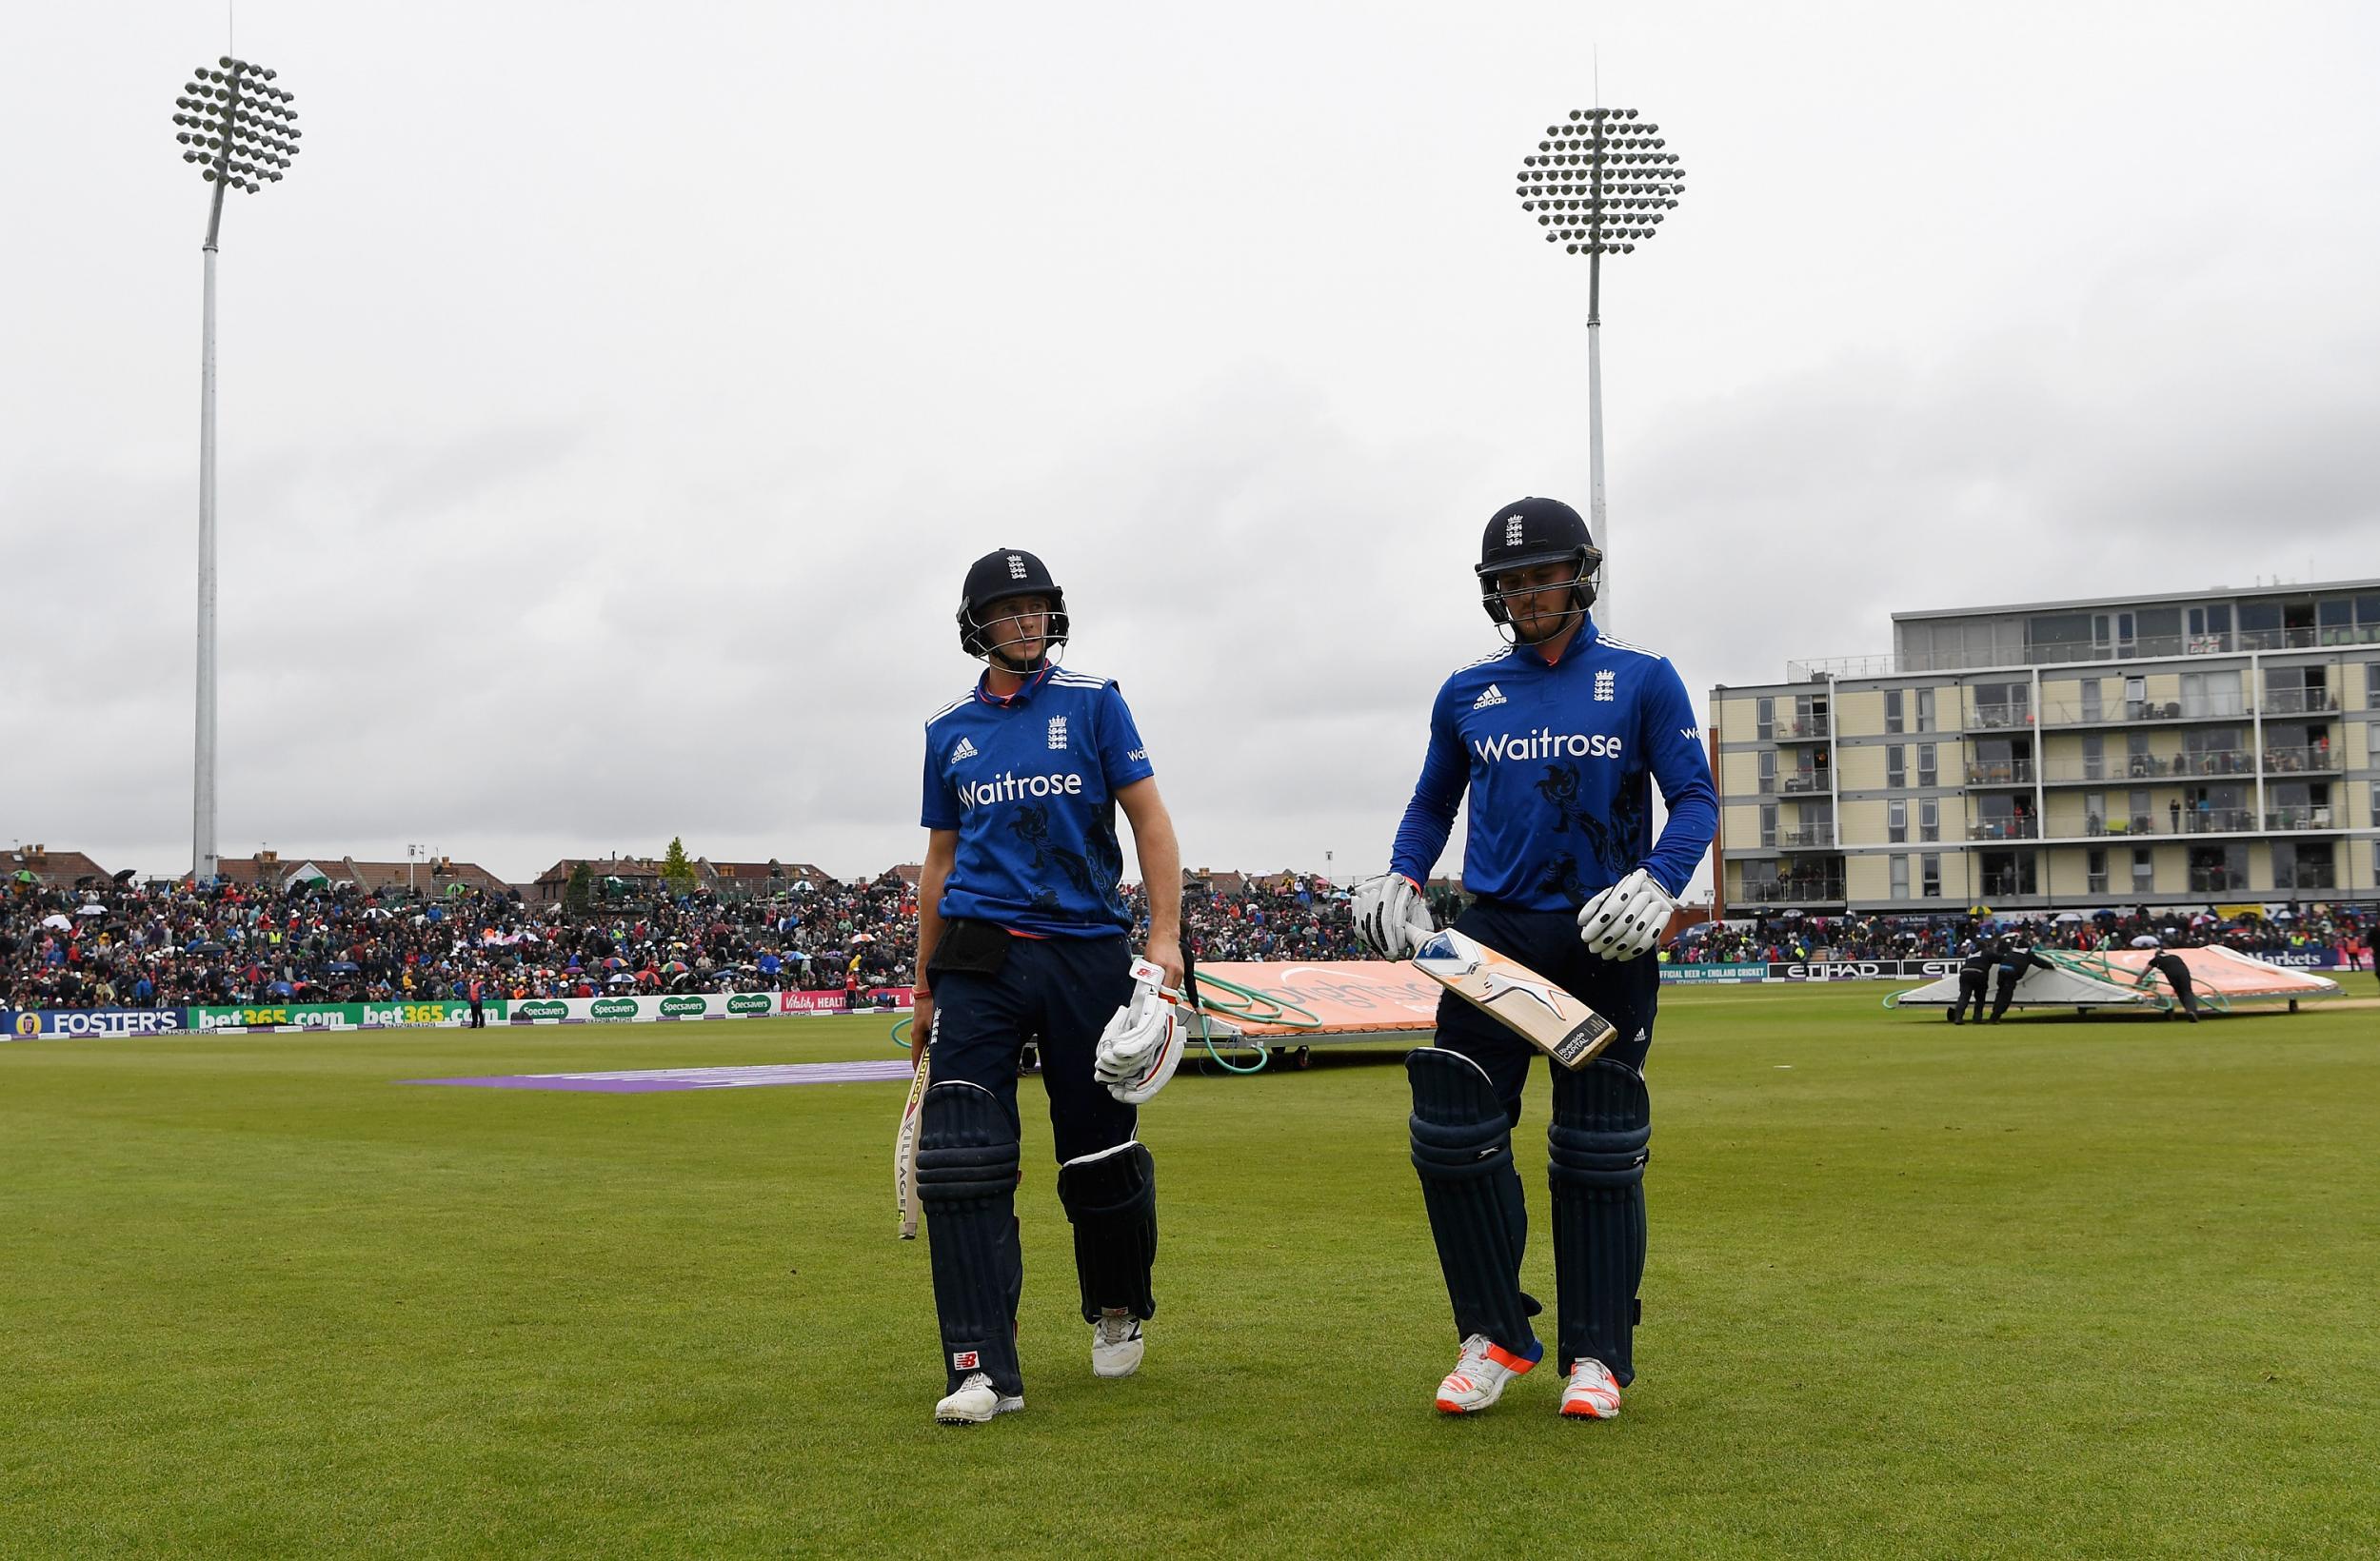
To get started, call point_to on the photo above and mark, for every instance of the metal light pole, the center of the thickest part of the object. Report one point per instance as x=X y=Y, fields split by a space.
x=239 y=129
x=412 y=855
x=1596 y=185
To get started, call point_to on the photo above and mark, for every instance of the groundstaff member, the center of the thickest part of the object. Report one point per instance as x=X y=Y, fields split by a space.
x=1974 y=976
x=1554 y=738
x=1021 y=933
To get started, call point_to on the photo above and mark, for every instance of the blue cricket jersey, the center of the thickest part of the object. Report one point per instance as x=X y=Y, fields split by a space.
x=1556 y=758
x=1029 y=782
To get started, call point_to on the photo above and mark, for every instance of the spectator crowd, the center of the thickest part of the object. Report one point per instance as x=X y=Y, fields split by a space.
x=173 y=944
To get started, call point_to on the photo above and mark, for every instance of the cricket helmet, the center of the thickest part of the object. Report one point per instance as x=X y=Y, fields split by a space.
x=1001 y=574
x=1529 y=532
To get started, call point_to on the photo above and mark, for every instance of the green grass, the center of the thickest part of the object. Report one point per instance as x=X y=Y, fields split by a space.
x=2048 y=1288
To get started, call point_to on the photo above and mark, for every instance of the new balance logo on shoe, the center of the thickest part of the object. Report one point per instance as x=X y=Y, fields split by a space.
x=1493 y=696
x=964 y=750
x=962 y=1360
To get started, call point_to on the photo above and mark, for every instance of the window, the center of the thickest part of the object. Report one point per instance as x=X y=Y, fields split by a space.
x=2094 y=757
x=1926 y=772
x=2091 y=698
x=1891 y=709
x=2372 y=686
x=2218 y=869
x=1931 y=866
x=2212 y=694
x=2094 y=811
x=1764 y=725
x=2136 y=699
x=2337 y=618
x=2209 y=629
x=2006 y=874
x=2003 y=704
x=2141 y=823
x=1925 y=709
x=1768 y=769
x=1768 y=824
x=2096 y=869
x=1897 y=822
x=1896 y=764
x=1929 y=818
x=1900 y=877
x=2143 y=870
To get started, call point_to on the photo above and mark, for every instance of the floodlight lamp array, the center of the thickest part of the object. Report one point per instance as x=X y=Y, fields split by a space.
x=236 y=126
x=1601 y=181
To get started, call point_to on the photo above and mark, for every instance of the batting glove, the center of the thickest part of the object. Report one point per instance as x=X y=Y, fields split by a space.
x=1627 y=918
x=1391 y=916
x=1141 y=1045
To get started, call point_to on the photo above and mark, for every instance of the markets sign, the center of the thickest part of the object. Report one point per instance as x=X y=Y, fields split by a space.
x=69 y=1023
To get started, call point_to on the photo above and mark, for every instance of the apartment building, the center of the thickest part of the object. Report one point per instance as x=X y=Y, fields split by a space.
x=2216 y=746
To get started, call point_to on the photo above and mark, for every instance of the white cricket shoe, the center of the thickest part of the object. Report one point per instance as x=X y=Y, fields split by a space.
x=1478 y=1378
x=1592 y=1392
x=975 y=1402
x=1115 y=1344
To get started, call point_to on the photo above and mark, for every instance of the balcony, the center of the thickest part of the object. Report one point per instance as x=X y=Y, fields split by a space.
x=1999 y=772
x=1807 y=729
x=1805 y=780
x=1995 y=717
x=1808 y=836
x=2308 y=875
x=2218 y=821
x=2316 y=760
x=2123 y=712
x=1793 y=892
x=2005 y=829
x=2216 y=881
x=2298 y=817
x=2299 y=702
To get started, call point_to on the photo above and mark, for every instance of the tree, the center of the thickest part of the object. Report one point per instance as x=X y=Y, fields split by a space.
x=677 y=870
x=580 y=892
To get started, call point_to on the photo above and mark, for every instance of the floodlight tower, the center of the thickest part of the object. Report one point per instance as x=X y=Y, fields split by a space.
x=241 y=131
x=1596 y=186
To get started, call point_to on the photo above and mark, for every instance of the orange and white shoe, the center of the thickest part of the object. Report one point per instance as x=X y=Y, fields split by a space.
x=1478 y=1378
x=1592 y=1392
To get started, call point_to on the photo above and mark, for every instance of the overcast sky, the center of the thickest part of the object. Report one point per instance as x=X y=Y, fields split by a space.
x=613 y=397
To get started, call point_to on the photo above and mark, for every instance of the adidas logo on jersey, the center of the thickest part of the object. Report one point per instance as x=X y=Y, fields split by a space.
x=964 y=750
x=1603 y=687
x=1493 y=696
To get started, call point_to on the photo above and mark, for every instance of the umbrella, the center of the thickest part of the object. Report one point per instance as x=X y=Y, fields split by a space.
x=2285 y=914
x=864 y=938
x=615 y=962
x=204 y=948
x=340 y=967
x=58 y=921
x=92 y=908
x=620 y=975
x=675 y=967
x=2070 y=915
x=2147 y=940
x=279 y=989
x=2104 y=915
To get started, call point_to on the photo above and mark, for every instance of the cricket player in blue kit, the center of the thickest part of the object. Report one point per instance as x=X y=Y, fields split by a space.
x=1555 y=739
x=1021 y=935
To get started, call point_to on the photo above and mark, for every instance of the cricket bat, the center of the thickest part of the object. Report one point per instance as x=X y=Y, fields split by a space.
x=905 y=1153
x=1519 y=999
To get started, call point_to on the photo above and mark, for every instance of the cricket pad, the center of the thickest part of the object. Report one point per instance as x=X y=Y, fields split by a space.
x=1462 y=1148
x=967 y=1181
x=1603 y=1125
x=1111 y=1198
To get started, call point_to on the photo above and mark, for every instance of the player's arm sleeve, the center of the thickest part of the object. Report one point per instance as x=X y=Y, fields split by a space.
x=1124 y=758
x=1672 y=738
x=939 y=809
x=1430 y=817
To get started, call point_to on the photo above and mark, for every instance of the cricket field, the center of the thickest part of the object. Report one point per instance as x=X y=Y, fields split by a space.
x=2047 y=1287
